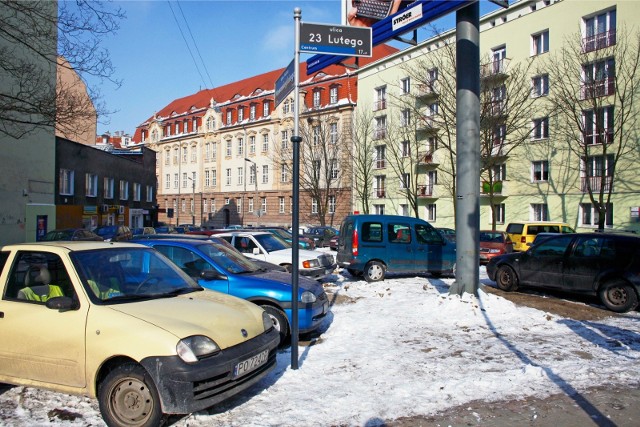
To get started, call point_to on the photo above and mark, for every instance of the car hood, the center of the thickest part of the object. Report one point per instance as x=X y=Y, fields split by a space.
x=218 y=316
x=304 y=283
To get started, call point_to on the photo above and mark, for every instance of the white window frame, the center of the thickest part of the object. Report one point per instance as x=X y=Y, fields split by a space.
x=540 y=43
x=66 y=182
x=540 y=171
x=91 y=184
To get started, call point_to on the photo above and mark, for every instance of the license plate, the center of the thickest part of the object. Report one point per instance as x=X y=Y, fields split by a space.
x=250 y=364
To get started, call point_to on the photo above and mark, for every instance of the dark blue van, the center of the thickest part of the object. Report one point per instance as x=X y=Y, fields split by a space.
x=371 y=245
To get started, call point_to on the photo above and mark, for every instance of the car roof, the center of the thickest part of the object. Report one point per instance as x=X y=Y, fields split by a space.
x=72 y=245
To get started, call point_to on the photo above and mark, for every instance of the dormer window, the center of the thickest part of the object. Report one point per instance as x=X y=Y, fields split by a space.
x=316 y=98
x=229 y=113
x=240 y=114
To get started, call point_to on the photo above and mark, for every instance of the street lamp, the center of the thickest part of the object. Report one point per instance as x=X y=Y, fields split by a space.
x=193 y=203
x=255 y=180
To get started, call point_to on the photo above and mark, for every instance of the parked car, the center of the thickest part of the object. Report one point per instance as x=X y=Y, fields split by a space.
x=267 y=247
x=72 y=234
x=333 y=243
x=541 y=237
x=166 y=229
x=602 y=264
x=522 y=233
x=494 y=243
x=372 y=245
x=114 y=233
x=121 y=323
x=303 y=242
x=320 y=235
x=143 y=231
x=217 y=266
x=447 y=233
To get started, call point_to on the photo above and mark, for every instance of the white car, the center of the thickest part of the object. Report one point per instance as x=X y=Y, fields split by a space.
x=267 y=247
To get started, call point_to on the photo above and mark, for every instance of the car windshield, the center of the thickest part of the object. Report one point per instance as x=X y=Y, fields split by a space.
x=58 y=235
x=126 y=274
x=271 y=242
x=491 y=237
x=228 y=258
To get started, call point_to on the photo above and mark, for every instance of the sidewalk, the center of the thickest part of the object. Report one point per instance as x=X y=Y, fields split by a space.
x=602 y=407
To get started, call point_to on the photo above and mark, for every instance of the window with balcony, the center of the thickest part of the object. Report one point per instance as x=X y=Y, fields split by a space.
x=540 y=128
x=540 y=85
x=598 y=125
x=596 y=173
x=499 y=172
x=598 y=79
x=599 y=31
x=380 y=131
x=540 y=43
x=540 y=171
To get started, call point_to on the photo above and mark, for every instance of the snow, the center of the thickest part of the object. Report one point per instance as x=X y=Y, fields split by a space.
x=398 y=348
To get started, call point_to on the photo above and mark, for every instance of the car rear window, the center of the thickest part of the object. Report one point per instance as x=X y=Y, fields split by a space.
x=515 y=228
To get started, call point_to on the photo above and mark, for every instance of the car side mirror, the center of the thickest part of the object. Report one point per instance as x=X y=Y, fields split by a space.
x=62 y=304
x=212 y=275
x=256 y=251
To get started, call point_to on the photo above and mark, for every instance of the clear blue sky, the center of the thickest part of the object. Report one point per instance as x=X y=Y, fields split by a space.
x=234 y=39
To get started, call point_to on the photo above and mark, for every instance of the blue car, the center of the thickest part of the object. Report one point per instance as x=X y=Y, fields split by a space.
x=219 y=267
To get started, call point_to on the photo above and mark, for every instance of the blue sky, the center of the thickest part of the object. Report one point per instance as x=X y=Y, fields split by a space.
x=234 y=39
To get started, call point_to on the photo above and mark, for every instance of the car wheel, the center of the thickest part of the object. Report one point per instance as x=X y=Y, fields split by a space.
x=354 y=273
x=374 y=271
x=506 y=278
x=618 y=296
x=128 y=397
x=280 y=322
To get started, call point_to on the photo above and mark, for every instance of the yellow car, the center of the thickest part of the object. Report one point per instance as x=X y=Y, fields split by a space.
x=523 y=233
x=120 y=323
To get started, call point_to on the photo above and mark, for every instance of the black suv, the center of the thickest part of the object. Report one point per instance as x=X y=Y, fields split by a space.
x=602 y=264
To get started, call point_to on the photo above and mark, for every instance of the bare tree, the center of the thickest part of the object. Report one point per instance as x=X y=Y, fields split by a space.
x=33 y=99
x=595 y=89
x=363 y=157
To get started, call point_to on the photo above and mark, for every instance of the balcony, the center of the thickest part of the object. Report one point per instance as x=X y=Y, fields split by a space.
x=428 y=123
x=596 y=183
x=426 y=158
x=379 y=193
x=427 y=91
x=380 y=105
x=380 y=133
x=597 y=88
x=381 y=163
x=496 y=108
x=495 y=69
x=495 y=189
x=598 y=41
x=425 y=190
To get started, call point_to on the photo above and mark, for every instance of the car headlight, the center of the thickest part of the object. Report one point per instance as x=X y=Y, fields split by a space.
x=311 y=263
x=267 y=322
x=494 y=251
x=192 y=349
x=308 y=297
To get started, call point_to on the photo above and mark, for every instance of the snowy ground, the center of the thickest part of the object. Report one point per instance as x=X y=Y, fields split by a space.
x=401 y=347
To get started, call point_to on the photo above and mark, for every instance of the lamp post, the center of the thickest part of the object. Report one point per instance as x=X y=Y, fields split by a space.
x=254 y=167
x=193 y=204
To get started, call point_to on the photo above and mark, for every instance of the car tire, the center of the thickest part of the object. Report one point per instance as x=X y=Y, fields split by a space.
x=280 y=322
x=128 y=397
x=506 y=278
x=618 y=296
x=374 y=271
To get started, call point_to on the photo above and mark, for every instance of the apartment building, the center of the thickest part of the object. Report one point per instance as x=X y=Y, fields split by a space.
x=224 y=154
x=558 y=120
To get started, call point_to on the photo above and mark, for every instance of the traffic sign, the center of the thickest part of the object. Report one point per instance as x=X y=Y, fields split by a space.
x=342 y=40
x=285 y=83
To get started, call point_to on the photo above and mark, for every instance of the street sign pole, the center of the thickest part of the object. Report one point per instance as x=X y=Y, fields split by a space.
x=295 y=220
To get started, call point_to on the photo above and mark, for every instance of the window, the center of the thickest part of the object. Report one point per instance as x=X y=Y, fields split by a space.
x=406 y=85
x=432 y=144
x=66 y=182
x=539 y=212
x=252 y=144
x=240 y=114
x=380 y=131
x=167 y=157
x=540 y=171
x=498 y=57
x=177 y=128
x=589 y=215
x=333 y=133
x=380 y=156
x=405 y=182
x=229 y=116
x=500 y=172
x=499 y=135
x=314 y=206
x=194 y=154
x=597 y=172
x=378 y=209
x=499 y=212
x=175 y=180
x=252 y=175
x=184 y=154
x=91 y=185
x=284 y=173
x=333 y=95
x=207 y=178
x=541 y=128
x=214 y=177
x=405 y=118
x=213 y=206
x=240 y=176
x=228 y=151
x=183 y=205
x=252 y=112
x=285 y=107
x=124 y=190
x=540 y=43
x=184 y=180
x=598 y=125
x=185 y=127
x=137 y=191
x=315 y=169
x=250 y=207
x=238 y=205
x=281 y=205
x=207 y=151
x=599 y=31
x=211 y=123
x=405 y=148
x=265 y=174
x=154 y=135
x=228 y=176
x=332 y=204
x=334 y=169
x=109 y=186
x=541 y=85
x=266 y=110
x=240 y=147
x=265 y=143
x=599 y=79
x=431 y=212
x=149 y=193
x=264 y=205
x=380 y=102
x=379 y=190
x=284 y=139
x=316 y=98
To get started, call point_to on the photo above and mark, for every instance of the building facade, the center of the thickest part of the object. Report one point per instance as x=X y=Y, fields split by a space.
x=224 y=154
x=558 y=128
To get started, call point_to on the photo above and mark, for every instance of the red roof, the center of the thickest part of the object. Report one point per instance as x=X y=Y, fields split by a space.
x=247 y=87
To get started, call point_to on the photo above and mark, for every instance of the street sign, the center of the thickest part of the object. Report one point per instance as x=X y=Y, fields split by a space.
x=285 y=83
x=339 y=40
